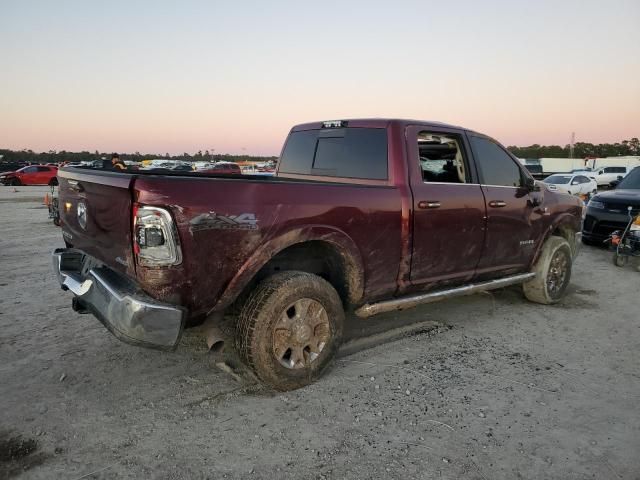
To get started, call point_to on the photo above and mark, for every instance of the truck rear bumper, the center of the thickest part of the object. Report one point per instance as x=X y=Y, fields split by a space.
x=127 y=312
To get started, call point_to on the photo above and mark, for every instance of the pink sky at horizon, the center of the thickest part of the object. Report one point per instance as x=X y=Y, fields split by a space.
x=116 y=77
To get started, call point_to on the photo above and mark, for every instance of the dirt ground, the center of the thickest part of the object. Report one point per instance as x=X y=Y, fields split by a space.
x=503 y=389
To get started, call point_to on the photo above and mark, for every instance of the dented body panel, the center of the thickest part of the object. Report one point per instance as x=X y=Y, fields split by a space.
x=246 y=224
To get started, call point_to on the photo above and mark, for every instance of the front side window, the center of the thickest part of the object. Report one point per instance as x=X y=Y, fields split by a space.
x=442 y=158
x=337 y=152
x=495 y=165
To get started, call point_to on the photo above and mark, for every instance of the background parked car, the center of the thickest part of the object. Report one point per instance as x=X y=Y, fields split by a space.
x=584 y=171
x=223 y=167
x=608 y=211
x=572 y=184
x=182 y=168
x=31 y=175
x=535 y=170
x=606 y=175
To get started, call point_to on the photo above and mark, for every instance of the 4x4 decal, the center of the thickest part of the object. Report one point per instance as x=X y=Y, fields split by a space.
x=211 y=220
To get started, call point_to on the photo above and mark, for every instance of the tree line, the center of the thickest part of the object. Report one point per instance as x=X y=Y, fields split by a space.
x=52 y=156
x=580 y=150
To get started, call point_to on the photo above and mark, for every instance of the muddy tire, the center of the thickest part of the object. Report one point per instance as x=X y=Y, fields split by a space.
x=553 y=272
x=290 y=328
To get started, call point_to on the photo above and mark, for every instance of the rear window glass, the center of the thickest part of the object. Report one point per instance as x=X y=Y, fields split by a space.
x=340 y=152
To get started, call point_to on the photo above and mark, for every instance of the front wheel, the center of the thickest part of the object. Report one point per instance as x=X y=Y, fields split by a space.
x=15 y=182
x=553 y=272
x=290 y=328
x=53 y=182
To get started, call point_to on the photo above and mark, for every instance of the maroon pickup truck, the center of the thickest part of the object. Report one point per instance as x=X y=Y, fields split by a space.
x=365 y=216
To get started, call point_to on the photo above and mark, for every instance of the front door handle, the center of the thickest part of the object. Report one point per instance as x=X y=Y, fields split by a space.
x=424 y=204
x=497 y=204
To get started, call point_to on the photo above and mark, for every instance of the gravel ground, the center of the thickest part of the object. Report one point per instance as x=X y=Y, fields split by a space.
x=503 y=389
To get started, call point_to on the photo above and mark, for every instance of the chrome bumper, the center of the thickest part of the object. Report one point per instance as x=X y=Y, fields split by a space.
x=127 y=312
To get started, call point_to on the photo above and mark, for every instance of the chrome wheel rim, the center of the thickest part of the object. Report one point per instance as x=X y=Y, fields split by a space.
x=558 y=273
x=301 y=334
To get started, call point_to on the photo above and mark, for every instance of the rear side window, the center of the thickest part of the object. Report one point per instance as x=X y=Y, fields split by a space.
x=339 y=152
x=496 y=166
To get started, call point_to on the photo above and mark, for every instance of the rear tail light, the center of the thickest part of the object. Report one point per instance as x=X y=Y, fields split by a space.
x=155 y=240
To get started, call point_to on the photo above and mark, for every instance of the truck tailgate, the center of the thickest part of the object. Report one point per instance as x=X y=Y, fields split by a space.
x=95 y=209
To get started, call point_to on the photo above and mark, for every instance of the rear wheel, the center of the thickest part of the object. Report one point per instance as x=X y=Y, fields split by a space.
x=553 y=272
x=290 y=328
x=14 y=182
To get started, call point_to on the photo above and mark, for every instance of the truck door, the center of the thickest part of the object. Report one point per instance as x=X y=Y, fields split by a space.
x=513 y=218
x=448 y=207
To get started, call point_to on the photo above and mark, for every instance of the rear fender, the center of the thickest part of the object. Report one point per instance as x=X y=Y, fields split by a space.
x=345 y=246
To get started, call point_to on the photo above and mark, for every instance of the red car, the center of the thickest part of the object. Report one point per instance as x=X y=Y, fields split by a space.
x=223 y=167
x=31 y=175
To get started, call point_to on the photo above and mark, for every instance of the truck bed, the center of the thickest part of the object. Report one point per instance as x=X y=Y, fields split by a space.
x=229 y=224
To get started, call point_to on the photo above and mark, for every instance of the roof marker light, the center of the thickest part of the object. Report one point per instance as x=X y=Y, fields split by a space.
x=334 y=124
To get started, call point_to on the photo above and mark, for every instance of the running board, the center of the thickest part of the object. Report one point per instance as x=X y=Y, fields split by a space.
x=411 y=301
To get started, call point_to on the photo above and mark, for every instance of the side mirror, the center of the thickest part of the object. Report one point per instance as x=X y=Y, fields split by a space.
x=614 y=184
x=530 y=184
x=620 y=177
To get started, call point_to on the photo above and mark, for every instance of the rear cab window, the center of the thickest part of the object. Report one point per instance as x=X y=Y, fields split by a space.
x=340 y=153
x=442 y=158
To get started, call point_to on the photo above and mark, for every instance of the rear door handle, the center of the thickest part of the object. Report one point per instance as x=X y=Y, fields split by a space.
x=497 y=204
x=424 y=204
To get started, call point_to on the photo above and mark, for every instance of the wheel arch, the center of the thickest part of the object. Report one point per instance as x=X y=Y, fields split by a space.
x=562 y=226
x=322 y=250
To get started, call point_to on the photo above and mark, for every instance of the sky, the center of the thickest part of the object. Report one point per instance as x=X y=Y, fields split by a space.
x=233 y=77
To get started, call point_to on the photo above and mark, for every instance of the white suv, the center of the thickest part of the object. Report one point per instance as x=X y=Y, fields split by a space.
x=606 y=175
